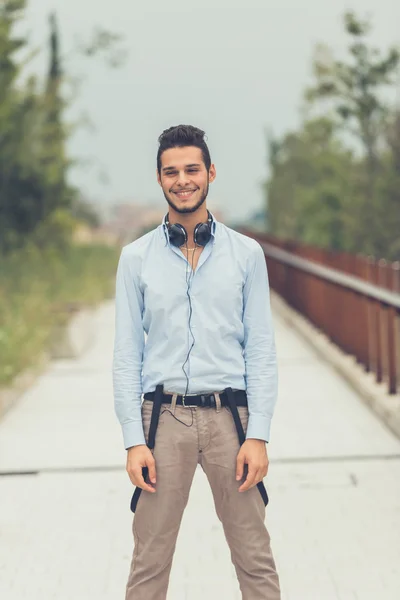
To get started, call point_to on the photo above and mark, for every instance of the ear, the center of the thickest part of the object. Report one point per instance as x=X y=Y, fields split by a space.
x=158 y=177
x=212 y=173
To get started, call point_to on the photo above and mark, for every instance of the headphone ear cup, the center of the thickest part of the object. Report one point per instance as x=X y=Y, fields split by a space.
x=202 y=234
x=177 y=235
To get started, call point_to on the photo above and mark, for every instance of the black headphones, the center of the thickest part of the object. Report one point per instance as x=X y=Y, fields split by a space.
x=178 y=236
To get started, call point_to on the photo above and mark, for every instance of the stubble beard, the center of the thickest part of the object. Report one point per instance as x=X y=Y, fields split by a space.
x=187 y=209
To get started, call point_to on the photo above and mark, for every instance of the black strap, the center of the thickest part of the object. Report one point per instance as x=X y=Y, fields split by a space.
x=242 y=437
x=155 y=415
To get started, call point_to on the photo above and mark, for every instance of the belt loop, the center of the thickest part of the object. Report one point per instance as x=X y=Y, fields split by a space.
x=173 y=403
x=217 y=402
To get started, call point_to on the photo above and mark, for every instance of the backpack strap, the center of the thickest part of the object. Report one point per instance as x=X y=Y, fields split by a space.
x=242 y=437
x=155 y=416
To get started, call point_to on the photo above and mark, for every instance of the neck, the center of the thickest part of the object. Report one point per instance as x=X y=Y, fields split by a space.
x=189 y=221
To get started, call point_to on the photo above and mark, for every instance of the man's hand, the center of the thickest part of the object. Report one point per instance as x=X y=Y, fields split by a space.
x=138 y=457
x=254 y=453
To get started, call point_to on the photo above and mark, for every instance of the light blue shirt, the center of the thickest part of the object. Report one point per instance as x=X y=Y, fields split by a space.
x=231 y=323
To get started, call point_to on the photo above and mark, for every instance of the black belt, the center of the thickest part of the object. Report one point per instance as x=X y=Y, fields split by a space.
x=229 y=397
x=204 y=400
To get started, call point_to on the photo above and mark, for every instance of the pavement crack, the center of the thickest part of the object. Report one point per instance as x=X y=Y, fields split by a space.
x=333 y=459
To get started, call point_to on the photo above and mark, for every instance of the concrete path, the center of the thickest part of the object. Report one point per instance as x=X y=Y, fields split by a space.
x=65 y=523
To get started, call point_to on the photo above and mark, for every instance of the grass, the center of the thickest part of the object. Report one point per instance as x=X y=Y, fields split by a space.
x=36 y=289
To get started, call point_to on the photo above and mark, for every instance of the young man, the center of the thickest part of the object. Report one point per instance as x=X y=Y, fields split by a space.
x=208 y=372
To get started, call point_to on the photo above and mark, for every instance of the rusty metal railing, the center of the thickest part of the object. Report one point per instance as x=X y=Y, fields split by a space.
x=356 y=302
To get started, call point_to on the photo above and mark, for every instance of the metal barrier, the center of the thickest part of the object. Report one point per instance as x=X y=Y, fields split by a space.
x=356 y=305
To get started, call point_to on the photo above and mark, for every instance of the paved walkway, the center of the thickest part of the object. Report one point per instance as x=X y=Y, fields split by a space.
x=65 y=525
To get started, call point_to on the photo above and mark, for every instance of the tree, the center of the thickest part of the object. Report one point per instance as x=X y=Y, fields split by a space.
x=308 y=191
x=325 y=190
x=387 y=236
x=353 y=90
x=21 y=184
x=34 y=166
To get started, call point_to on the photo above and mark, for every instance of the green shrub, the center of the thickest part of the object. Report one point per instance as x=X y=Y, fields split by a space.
x=36 y=290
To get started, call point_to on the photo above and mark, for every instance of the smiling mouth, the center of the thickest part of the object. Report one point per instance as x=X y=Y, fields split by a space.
x=186 y=194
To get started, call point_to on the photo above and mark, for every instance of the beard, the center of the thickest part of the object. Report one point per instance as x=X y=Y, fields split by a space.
x=188 y=209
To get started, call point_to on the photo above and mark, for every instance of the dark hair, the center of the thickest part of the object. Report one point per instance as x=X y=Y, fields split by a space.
x=183 y=135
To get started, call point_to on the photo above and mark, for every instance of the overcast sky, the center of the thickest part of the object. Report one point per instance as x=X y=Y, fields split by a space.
x=232 y=68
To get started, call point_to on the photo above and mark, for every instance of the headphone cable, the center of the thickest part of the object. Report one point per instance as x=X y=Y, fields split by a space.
x=188 y=281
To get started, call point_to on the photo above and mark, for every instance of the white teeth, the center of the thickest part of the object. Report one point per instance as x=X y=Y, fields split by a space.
x=184 y=193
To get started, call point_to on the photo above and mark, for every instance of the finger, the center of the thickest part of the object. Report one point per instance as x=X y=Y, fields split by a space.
x=152 y=470
x=249 y=479
x=239 y=466
x=141 y=482
x=133 y=475
x=261 y=474
x=258 y=477
x=264 y=469
x=132 y=478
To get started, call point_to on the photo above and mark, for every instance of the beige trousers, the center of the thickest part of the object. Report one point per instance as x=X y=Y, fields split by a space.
x=205 y=436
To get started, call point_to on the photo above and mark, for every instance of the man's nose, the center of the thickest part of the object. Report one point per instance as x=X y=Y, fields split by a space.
x=183 y=178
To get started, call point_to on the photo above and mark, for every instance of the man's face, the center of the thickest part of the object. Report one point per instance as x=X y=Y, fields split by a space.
x=184 y=179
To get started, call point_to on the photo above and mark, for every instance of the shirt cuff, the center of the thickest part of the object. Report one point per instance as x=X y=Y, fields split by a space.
x=258 y=427
x=133 y=434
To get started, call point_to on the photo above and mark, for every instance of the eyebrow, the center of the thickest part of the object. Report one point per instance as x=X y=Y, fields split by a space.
x=187 y=166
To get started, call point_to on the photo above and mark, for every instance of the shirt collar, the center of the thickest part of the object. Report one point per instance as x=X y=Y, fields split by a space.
x=164 y=232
